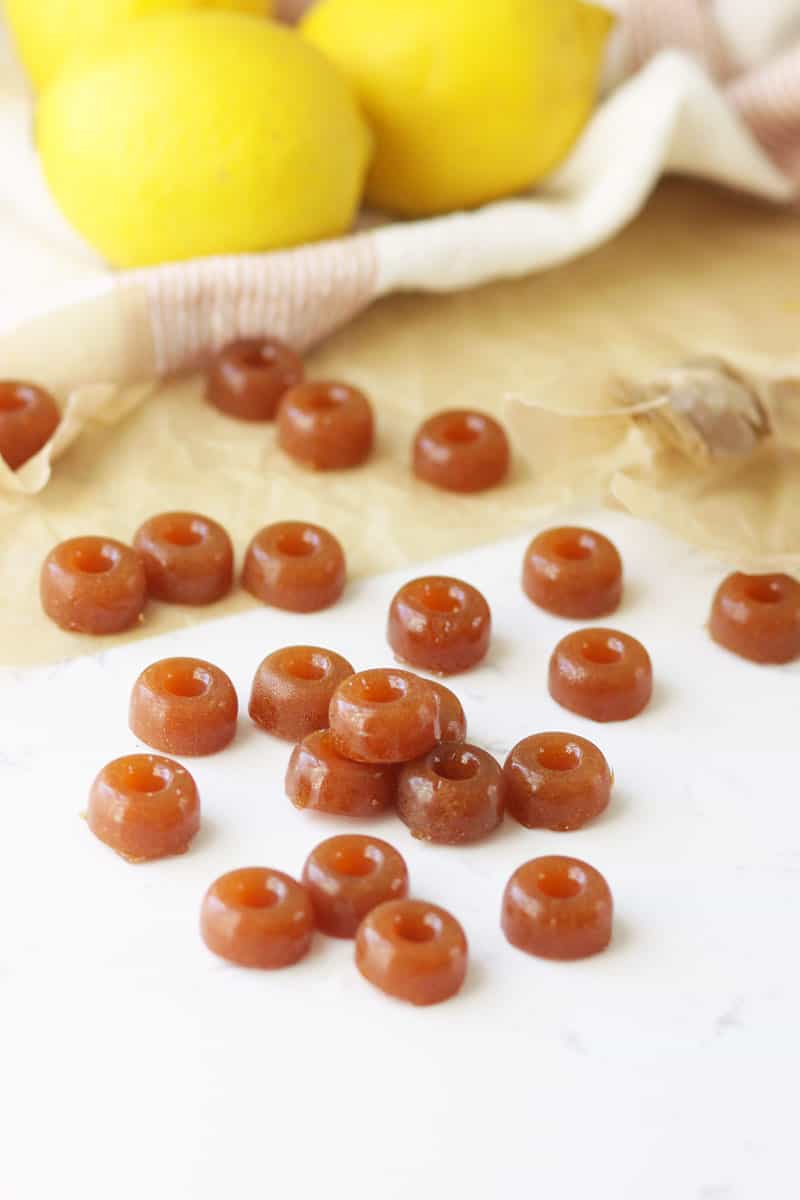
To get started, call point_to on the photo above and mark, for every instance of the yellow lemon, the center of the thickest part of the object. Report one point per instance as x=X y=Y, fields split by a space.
x=469 y=100
x=49 y=32
x=203 y=133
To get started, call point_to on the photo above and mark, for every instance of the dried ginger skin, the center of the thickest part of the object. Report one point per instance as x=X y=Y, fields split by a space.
x=705 y=409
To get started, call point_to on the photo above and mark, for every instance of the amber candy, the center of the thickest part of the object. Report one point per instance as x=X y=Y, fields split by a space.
x=573 y=572
x=556 y=781
x=295 y=566
x=93 y=585
x=557 y=907
x=461 y=450
x=292 y=690
x=601 y=674
x=758 y=617
x=326 y=426
x=144 y=807
x=347 y=876
x=439 y=624
x=320 y=778
x=453 y=794
x=412 y=950
x=29 y=417
x=256 y=917
x=452 y=721
x=188 y=559
x=384 y=716
x=249 y=377
x=184 y=706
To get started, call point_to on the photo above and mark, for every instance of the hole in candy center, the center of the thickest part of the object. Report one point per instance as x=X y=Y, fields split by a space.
x=188 y=684
x=382 y=689
x=462 y=430
x=575 y=547
x=297 y=543
x=560 y=883
x=442 y=598
x=564 y=757
x=765 y=591
x=457 y=765
x=417 y=927
x=602 y=652
x=94 y=560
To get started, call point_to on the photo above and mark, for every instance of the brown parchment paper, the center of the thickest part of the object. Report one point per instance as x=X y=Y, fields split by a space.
x=699 y=272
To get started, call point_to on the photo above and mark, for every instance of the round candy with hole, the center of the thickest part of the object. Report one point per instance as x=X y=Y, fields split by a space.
x=384 y=716
x=556 y=781
x=601 y=674
x=295 y=566
x=184 y=706
x=347 y=876
x=557 y=907
x=439 y=624
x=573 y=572
x=461 y=450
x=93 y=585
x=326 y=426
x=321 y=779
x=29 y=417
x=188 y=558
x=758 y=617
x=412 y=950
x=292 y=690
x=248 y=378
x=144 y=806
x=257 y=917
x=453 y=794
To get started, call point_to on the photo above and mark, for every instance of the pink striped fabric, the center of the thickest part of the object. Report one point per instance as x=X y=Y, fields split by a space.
x=299 y=295
x=766 y=97
x=650 y=25
x=768 y=100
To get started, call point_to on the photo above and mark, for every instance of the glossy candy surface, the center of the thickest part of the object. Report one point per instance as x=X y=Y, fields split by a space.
x=93 y=585
x=347 y=876
x=295 y=566
x=144 y=806
x=412 y=950
x=601 y=674
x=461 y=450
x=758 y=617
x=321 y=779
x=184 y=706
x=557 y=907
x=292 y=690
x=188 y=558
x=556 y=781
x=249 y=377
x=439 y=624
x=326 y=426
x=573 y=572
x=452 y=721
x=256 y=917
x=453 y=794
x=384 y=716
x=29 y=417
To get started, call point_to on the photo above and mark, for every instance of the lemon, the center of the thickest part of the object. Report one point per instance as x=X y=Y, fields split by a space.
x=49 y=32
x=469 y=101
x=203 y=133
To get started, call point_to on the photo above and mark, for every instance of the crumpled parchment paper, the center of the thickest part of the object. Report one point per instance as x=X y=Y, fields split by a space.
x=701 y=276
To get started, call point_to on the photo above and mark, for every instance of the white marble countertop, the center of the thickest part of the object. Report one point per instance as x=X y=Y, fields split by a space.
x=136 y=1064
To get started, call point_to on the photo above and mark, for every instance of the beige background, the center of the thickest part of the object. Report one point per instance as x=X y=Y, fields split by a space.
x=700 y=270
